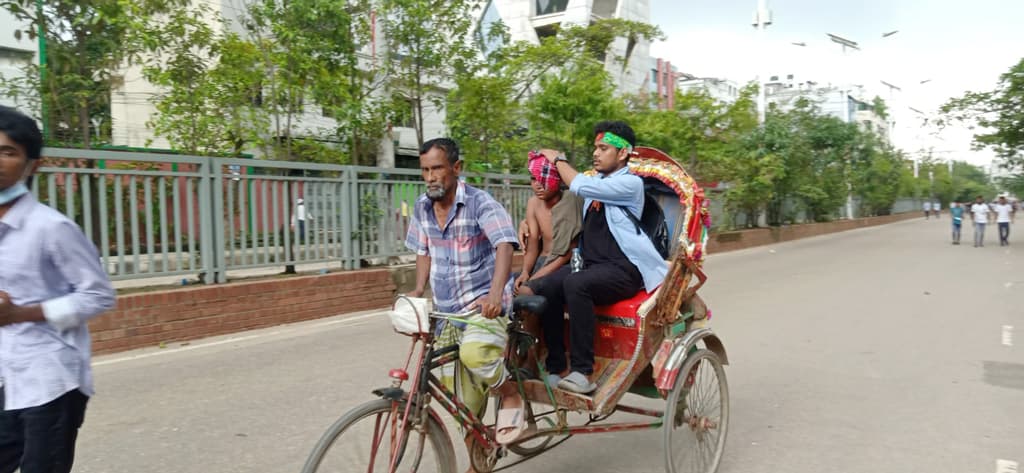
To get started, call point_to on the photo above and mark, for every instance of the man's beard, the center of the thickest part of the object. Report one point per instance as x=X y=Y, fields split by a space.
x=437 y=194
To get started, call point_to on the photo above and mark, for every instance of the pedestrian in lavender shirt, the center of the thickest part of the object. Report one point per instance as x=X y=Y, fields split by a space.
x=51 y=284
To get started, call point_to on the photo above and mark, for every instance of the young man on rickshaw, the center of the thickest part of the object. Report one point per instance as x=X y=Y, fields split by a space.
x=618 y=258
x=553 y=221
x=463 y=240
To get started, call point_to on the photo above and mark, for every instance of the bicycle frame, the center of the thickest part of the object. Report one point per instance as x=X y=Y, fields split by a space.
x=425 y=386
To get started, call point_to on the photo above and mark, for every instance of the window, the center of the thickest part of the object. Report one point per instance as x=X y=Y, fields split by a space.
x=605 y=8
x=546 y=31
x=547 y=7
x=490 y=30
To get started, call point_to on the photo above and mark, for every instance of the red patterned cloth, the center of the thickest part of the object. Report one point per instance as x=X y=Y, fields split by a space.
x=544 y=172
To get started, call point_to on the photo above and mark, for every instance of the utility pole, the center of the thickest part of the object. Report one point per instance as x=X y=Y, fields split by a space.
x=41 y=33
x=762 y=18
x=846 y=44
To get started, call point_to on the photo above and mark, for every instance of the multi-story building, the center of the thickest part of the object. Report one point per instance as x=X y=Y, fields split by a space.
x=848 y=104
x=663 y=79
x=531 y=20
x=723 y=90
x=15 y=55
x=133 y=104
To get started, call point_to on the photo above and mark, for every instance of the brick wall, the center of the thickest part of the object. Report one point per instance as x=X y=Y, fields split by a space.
x=147 y=319
x=738 y=240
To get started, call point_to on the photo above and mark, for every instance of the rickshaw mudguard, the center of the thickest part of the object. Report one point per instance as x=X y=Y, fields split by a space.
x=672 y=354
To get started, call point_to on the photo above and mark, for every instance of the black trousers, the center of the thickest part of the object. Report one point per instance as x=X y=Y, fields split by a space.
x=41 y=439
x=596 y=285
x=1004 y=233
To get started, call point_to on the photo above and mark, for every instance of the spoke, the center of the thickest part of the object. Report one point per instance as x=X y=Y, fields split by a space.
x=708 y=394
x=700 y=387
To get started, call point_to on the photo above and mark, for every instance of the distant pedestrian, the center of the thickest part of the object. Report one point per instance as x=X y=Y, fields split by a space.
x=1004 y=217
x=956 y=212
x=979 y=214
x=300 y=217
x=51 y=284
x=937 y=209
x=927 y=209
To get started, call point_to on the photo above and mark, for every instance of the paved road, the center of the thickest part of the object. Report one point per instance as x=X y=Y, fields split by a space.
x=877 y=350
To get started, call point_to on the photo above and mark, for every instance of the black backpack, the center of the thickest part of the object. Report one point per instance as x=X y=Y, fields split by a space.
x=652 y=223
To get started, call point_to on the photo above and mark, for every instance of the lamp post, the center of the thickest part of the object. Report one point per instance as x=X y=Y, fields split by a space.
x=41 y=18
x=762 y=18
x=846 y=44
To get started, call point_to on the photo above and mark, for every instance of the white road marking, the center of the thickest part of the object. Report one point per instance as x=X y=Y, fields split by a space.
x=1008 y=285
x=1006 y=466
x=346 y=320
x=1008 y=335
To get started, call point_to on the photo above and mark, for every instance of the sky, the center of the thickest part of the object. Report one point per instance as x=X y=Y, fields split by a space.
x=954 y=46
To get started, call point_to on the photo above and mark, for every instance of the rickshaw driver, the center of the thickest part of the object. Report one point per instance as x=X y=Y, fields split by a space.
x=463 y=240
x=618 y=258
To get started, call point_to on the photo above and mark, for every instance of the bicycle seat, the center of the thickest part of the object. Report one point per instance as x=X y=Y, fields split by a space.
x=533 y=304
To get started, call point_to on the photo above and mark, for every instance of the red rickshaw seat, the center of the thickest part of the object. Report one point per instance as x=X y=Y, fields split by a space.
x=618 y=326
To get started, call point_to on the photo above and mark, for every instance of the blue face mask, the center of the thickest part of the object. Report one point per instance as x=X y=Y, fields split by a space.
x=9 y=194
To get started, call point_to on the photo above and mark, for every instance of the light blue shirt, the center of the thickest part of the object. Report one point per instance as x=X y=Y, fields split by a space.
x=46 y=259
x=623 y=191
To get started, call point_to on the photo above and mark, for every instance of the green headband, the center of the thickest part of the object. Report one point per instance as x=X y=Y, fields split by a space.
x=615 y=140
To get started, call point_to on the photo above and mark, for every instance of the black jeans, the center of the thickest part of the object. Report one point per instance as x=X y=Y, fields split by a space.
x=41 y=439
x=596 y=285
x=1004 y=233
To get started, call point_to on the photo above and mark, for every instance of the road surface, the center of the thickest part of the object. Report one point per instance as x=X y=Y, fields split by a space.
x=876 y=350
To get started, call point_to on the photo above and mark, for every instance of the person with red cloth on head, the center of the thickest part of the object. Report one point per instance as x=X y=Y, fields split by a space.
x=553 y=221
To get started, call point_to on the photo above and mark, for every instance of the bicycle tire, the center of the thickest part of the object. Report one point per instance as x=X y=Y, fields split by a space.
x=444 y=453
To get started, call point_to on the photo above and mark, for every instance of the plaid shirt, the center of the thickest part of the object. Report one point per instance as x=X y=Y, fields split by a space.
x=462 y=255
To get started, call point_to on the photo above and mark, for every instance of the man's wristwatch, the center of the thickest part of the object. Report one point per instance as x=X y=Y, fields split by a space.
x=560 y=157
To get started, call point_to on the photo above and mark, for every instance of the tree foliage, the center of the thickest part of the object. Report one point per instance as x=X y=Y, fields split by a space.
x=998 y=115
x=87 y=43
x=428 y=41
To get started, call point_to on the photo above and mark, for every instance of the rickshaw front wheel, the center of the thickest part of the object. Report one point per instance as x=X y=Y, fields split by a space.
x=697 y=415
x=372 y=436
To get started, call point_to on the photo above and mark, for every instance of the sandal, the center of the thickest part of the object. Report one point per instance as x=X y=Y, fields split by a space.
x=511 y=424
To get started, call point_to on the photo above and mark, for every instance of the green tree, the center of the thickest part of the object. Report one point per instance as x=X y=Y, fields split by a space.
x=999 y=113
x=483 y=112
x=569 y=103
x=87 y=44
x=428 y=41
x=553 y=91
x=877 y=175
x=289 y=69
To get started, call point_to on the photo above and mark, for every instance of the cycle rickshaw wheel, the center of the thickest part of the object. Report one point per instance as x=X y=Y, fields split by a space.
x=697 y=415
x=366 y=438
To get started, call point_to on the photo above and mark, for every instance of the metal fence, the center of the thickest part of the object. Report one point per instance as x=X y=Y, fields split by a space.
x=161 y=215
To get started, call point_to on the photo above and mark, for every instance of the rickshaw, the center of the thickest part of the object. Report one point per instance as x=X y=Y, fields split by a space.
x=654 y=345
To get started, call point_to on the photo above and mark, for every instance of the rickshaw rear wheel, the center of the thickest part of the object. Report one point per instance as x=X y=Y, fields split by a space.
x=697 y=415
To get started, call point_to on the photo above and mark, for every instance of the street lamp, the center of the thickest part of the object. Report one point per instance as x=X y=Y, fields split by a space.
x=762 y=18
x=845 y=43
